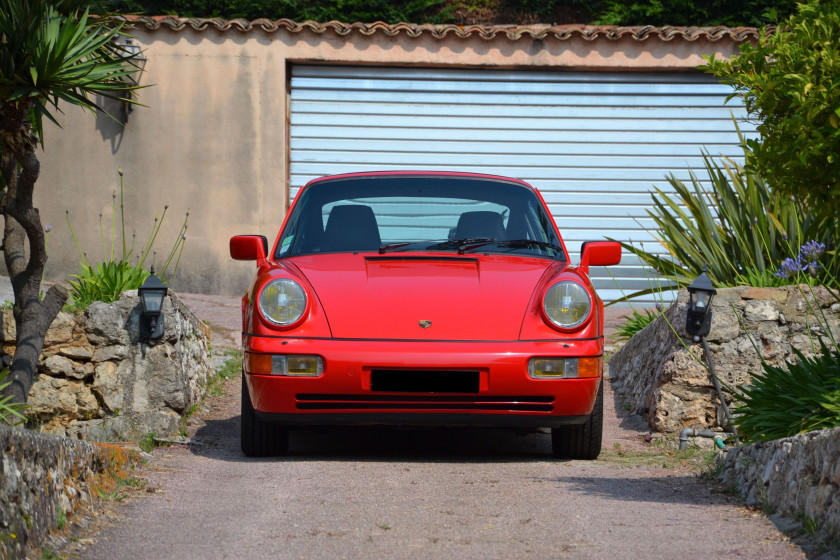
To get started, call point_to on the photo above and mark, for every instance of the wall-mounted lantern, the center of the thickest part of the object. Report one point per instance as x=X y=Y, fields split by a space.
x=699 y=317
x=152 y=294
x=133 y=52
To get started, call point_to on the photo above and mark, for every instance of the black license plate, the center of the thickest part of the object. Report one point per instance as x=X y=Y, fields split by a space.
x=426 y=381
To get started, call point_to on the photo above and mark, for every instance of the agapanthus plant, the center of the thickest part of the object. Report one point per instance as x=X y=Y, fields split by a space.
x=806 y=261
x=803 y=394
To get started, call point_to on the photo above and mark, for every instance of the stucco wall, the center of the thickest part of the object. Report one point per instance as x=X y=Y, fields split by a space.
x=213 y=137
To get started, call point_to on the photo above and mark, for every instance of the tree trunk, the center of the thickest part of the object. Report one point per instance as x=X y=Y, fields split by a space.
x=33 y=316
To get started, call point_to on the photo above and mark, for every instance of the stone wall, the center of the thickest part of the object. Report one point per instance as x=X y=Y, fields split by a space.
x=794 y=476
x=664 y=377
x=43 y=476
x=98 y=381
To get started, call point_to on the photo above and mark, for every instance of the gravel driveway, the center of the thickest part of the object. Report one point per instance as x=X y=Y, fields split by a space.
x=423 y=493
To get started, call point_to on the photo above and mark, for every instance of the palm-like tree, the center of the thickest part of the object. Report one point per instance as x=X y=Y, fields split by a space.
x=52 y=52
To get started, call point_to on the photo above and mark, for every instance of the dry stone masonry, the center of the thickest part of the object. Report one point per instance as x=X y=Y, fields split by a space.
x=98 y=381
x=663 y=376
x=796 y=476
x=44 y=477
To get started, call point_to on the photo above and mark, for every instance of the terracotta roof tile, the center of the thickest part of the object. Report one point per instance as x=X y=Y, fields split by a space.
x=512 y=32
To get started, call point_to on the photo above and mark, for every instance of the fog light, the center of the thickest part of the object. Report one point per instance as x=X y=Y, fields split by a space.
x=304 y=365
x=552 y=368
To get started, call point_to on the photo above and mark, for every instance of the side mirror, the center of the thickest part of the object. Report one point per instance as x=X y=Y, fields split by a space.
x=599 y=253
x=249 y=248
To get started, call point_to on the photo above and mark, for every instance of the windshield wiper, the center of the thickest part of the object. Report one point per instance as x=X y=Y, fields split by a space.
x=392 y=246
x=458 y=242
x=465 y=244
x=475 y=243
x=527 y=242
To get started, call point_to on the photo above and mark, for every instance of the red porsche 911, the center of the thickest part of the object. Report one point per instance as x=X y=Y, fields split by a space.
x=421 y=298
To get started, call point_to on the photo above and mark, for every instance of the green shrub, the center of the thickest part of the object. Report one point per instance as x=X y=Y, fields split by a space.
x=784 y=402
x=325 y=10
x=105 y=282
x=688 y=12
x=597 y=12
x=790 y=82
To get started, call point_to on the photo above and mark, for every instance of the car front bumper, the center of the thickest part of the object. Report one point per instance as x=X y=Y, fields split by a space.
x=343 y=394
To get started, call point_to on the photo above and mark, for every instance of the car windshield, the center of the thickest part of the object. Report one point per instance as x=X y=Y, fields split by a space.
x=389 y=213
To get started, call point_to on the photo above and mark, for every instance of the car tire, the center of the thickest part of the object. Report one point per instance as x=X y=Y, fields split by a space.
x=258 y=438
x=581 y=441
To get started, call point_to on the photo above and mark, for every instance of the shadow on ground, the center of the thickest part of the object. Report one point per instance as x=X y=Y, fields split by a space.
x=385 y=443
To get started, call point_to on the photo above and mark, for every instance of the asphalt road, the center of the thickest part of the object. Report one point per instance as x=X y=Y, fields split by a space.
x=421 y=493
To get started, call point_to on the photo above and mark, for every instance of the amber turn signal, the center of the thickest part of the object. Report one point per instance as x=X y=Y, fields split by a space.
x=589 y=367
x=258 y=364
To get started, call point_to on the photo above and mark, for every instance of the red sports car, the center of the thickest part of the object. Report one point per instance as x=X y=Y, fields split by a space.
x=421 y=298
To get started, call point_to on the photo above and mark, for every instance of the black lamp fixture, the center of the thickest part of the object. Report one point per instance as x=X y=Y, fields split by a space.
x=152 y=294
x=134 y=53
x=698 y=323
x=699 y=317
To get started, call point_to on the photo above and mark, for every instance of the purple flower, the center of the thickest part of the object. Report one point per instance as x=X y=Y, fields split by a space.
x=811 y=267
x=48 y=228
x=811 y=251
x=789 y=268
x=806 y=261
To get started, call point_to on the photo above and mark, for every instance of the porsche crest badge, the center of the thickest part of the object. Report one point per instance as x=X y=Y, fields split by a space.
x=425 y=324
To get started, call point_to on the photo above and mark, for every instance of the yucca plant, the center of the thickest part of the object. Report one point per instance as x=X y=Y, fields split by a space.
x=52 y=53
x=736 y=226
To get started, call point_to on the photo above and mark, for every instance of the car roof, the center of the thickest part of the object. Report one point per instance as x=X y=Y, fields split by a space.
x=441 y=174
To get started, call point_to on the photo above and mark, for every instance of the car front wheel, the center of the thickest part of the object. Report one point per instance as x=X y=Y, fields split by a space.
x=258 y=438
x=582 y=441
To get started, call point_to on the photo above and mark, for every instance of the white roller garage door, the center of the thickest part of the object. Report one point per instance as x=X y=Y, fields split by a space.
x=593 y=143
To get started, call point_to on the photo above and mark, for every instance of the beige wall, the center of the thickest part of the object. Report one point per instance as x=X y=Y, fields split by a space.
x=213 y=138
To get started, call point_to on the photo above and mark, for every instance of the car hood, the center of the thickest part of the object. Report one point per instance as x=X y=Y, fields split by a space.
x=480 y=297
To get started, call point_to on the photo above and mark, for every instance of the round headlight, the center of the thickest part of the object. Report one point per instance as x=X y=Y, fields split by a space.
x=282 y=301
x=567 y=304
